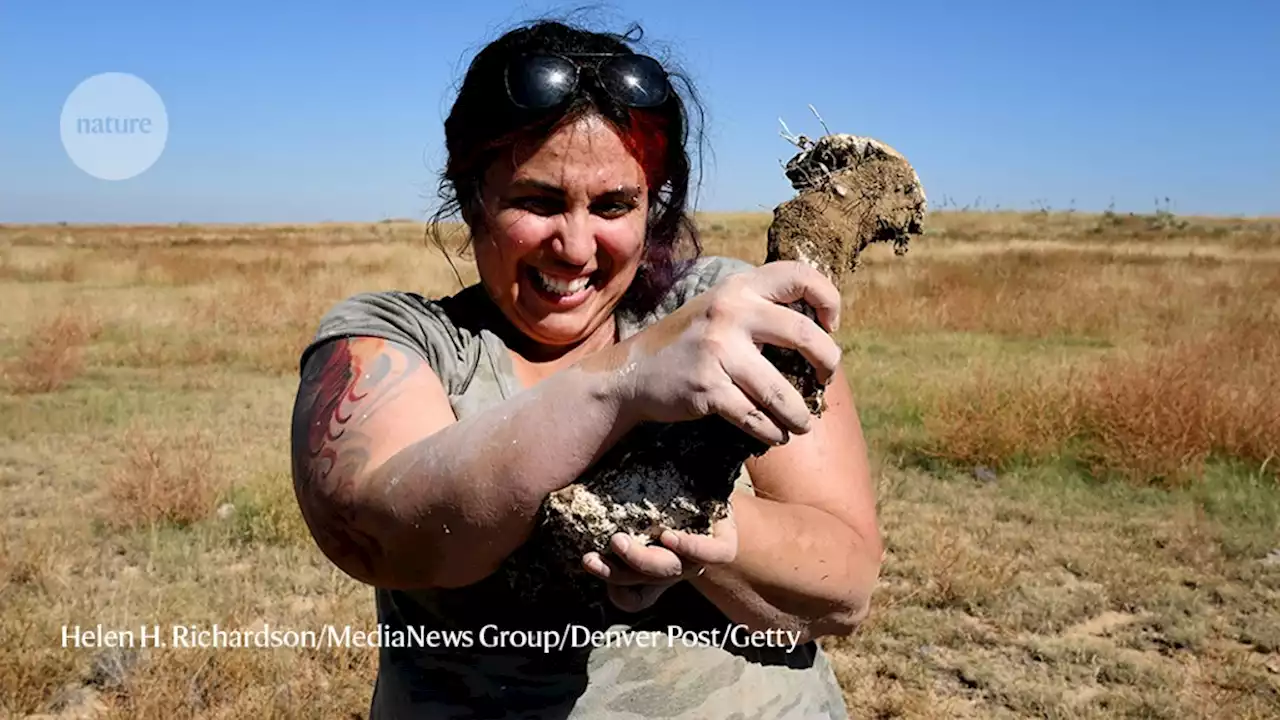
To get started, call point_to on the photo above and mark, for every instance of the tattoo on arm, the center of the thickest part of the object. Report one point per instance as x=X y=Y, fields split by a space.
x=344 y=382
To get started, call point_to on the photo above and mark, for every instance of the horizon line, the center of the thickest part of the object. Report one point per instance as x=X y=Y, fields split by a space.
x=763 y=213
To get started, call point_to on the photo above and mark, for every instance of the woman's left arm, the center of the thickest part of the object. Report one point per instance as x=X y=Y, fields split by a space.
x=801 y=554
x=809 y=547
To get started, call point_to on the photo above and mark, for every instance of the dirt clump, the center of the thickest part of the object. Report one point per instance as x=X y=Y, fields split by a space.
x=852 y=191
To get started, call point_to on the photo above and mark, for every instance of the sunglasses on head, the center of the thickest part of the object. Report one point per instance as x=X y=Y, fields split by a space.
x=545 y=80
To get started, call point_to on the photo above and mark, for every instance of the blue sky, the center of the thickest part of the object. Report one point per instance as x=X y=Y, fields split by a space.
x=310 y=111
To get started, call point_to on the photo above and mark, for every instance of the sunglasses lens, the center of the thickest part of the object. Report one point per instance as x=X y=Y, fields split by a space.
x=541 y=81
x=636 y=80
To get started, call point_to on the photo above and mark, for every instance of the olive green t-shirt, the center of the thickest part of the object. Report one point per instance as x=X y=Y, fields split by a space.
x=681 y=658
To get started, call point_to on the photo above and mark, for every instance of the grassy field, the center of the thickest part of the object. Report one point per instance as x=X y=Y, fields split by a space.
x=1073 y=420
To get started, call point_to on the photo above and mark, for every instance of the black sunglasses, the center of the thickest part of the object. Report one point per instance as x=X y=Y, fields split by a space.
x=542 y=81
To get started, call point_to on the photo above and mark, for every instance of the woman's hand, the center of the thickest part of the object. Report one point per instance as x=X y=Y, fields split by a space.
x=705 y=358
x=639 y=574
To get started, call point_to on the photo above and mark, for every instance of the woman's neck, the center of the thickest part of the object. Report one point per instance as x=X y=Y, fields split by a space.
x=535 y=361
x=540 y=353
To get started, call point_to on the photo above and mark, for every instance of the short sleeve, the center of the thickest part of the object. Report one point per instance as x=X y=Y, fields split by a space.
x=405 y=318
x=708 y=271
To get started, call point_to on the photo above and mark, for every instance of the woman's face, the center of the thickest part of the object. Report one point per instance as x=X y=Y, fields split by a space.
x=563 y=233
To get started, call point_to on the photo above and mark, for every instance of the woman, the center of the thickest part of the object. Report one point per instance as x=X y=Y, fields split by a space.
x=428 y=432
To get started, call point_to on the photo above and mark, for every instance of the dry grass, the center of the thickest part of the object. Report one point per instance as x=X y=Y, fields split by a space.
x=1065 y=293
x=163 y=480
x=144 y=425
x=1151 y=416
x=52 y=353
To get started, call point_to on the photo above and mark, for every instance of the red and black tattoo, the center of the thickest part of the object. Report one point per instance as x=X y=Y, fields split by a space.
x=339 y=387
x=334 y=381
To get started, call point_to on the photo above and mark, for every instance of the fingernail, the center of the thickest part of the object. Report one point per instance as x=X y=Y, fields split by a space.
x=670 y=539
x=621 y=543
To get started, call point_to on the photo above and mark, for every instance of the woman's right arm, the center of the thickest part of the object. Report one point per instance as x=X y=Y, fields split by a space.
x=398 y=493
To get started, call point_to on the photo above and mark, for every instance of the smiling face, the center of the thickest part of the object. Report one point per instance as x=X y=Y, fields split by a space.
x=563 y=234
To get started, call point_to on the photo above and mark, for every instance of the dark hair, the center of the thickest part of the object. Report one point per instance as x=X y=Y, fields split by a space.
x=483 y=124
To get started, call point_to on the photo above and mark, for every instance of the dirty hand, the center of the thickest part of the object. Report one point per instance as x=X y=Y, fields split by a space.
x=705 y=358
x=637 y=575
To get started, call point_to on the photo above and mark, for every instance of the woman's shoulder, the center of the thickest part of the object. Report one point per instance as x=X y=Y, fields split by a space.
x=707 y=270
x=698 y=276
